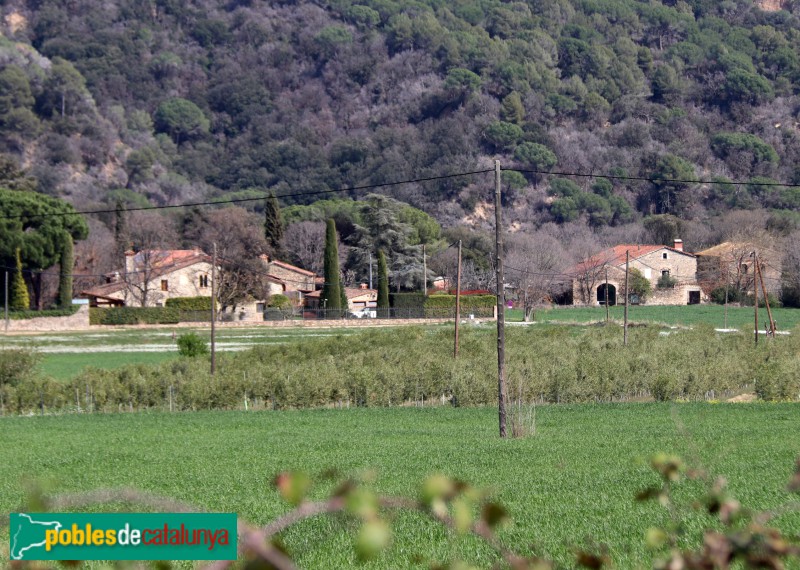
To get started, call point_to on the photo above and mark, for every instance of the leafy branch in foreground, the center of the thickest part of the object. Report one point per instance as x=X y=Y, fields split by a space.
x=740 y=539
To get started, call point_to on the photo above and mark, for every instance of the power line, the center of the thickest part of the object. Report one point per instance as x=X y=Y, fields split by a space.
x=241 y=200
x=651 y=179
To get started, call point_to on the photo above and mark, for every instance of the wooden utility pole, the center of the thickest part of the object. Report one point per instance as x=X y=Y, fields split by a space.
x=766 y=301
x=214 y=310
x=502 y=395
x=607 y=319
x=5 y=310
x=727 y=281
x=424 y=272
x=755 y=293
x=627 y=297
x=458 y=300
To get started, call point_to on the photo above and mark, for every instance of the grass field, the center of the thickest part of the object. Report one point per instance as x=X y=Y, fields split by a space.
x=65 y=354
x=575 y=481
x=686 y=315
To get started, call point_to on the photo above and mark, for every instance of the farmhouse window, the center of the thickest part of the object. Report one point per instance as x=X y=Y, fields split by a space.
x=665 y=273
x=664 y=255
x=164 y=285
x=204 y=281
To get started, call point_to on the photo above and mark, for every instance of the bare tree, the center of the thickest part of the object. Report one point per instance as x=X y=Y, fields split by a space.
x=305 y=243
x=240 y=241
x=150 y=234
x=535 y=264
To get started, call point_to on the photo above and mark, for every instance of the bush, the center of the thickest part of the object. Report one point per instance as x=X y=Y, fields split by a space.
x=279 y=302
x=666 y=282
x=445 y=305
x=718 y=295
x=191 y=344
x=189 y=303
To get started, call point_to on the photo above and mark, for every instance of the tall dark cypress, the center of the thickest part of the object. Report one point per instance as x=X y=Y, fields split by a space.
x=65 y=280
x=332 y=290
x=273 y=225
x=383 y=282
x=20 y=300
x=120 y=233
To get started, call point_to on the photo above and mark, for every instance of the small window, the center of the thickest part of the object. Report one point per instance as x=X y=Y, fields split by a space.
x=665 y=272
x=204 y=281
x=164 y=285
x=664 y=255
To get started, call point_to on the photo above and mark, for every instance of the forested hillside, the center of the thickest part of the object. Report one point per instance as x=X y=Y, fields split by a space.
x=167 y=101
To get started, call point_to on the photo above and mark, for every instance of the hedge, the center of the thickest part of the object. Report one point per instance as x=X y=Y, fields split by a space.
x=412 y=304
x=134 y=316
x=24 y=315
x=479 y=305
x=189 y=303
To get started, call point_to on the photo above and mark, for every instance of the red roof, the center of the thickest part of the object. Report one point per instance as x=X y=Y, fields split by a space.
x=291 y=267
x=615 y=256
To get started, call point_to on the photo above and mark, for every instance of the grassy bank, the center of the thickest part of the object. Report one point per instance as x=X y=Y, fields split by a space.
x=575 y=480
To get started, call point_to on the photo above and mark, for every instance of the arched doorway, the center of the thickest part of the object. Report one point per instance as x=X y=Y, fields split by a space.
x=612 y=295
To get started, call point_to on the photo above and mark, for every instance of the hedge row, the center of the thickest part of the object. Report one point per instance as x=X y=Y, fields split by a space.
x=415 y=364
x=189 y=303
x=24 y=315
x=144 y=316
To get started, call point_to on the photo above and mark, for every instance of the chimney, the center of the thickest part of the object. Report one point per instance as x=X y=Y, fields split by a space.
x=678 y=244
x=363 y=286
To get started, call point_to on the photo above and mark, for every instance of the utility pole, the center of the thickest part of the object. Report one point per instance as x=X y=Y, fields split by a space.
x=214 y=310
x=370 y=269
x=501 y=304
x=607 y=294
x=755 y=293
x=458 y=300
x=424 y=272
x=627 y=297
x=727 y=279
x=766 y=301
x=5 y=310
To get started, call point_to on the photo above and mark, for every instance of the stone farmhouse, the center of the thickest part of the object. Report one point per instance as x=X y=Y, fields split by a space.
x=671 y=271
x=732 y=263
x=152 y=277
x=357 y=299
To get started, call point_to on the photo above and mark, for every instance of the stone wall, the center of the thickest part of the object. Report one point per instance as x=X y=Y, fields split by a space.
x=77 y=322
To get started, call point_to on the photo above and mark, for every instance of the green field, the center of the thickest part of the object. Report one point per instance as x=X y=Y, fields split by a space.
x=741 y=318
x=574 y=481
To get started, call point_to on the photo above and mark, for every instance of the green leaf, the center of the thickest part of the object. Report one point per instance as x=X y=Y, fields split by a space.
x=373 y=537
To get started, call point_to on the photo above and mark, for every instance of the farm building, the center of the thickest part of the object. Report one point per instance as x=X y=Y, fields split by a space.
x=671 y=271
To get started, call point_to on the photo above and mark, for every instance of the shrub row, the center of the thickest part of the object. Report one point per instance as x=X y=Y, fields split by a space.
x=395 y=367
x=189 y=303
x=24 y=315
x=145 y=316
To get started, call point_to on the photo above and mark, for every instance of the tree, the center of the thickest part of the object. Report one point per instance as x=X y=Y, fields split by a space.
x=672 y=183
x=65 y=277
x=383 y=281
x=150 y=233
x=304 y=243
x=20 y=300
x=502 y=135
x=273 y=225
x=181 y=119
x=37 y=225
x=537 y=261
x=331 y=291
x=638 y=284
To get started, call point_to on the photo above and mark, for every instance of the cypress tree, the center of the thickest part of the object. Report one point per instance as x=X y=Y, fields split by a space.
x=120 y=233
x=65 y=280
x=20 y=301
x=273 y=225
x=332 y=290
x=383 y=282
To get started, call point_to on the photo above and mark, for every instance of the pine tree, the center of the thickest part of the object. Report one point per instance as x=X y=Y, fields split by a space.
x=273 y=225
x=332 y=290
x=383 y=282
x=20 y=301
x=65 y=281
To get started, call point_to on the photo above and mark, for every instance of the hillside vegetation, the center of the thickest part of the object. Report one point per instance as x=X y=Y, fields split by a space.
x=169 y=101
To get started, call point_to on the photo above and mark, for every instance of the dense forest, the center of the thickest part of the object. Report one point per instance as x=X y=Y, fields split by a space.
x=167 y=101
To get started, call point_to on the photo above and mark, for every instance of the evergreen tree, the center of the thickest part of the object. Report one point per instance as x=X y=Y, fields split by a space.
x=65 y=281
x=20 y=301
x=332 y=290
x=383 y=282
x=343 y=296
x=273 y=225
x=120 y=233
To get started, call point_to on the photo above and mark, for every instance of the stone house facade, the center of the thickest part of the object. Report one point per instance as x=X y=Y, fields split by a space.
x=732 y=263
x=671 y=271
x=150 y=278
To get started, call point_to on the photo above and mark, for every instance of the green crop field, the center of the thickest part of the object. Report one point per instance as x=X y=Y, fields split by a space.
x=570 y=485
x=741 y=318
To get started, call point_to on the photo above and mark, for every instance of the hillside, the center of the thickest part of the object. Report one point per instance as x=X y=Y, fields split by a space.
x=163 y=102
